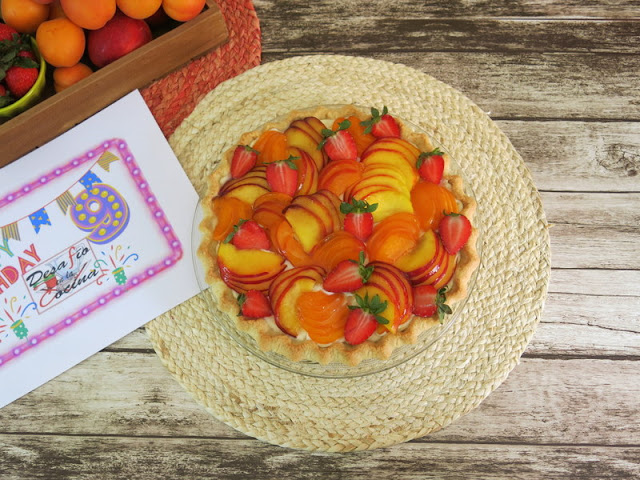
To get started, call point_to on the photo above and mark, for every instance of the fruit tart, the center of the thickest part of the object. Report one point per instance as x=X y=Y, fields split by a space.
x=337 y=235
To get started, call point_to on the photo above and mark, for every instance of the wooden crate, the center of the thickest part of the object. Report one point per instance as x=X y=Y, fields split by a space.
x=58 y=113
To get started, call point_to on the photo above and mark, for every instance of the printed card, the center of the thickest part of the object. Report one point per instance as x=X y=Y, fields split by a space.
x=95 y=241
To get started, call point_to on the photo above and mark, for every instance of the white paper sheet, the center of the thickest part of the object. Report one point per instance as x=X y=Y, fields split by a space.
x=95 y=241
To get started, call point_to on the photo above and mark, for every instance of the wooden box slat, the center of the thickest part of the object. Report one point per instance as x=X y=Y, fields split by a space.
x=61 y=111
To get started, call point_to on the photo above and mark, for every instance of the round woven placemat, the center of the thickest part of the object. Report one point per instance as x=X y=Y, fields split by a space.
x=435 y=387
x=175 y=95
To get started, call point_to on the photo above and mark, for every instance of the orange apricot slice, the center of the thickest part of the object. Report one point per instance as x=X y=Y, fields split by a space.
x=393 y=237
x=430 y=201
x=286 y=242
x=229 y=211
x=363 y=140
x=272 y=146
x=334 y=248
x=322 y=315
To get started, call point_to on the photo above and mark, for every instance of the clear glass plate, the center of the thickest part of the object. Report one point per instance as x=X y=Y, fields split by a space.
x=335 y=370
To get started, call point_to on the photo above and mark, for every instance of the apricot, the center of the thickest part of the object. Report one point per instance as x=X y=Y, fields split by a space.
x=90 y=15
x=61 y=42
x=139 y=9
x=64 y=77
x=183 y=10
x=24 y=15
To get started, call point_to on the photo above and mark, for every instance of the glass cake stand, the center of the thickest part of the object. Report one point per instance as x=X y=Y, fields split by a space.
x=400 y=354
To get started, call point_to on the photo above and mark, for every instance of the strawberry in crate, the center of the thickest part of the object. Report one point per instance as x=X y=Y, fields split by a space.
x=19 y=69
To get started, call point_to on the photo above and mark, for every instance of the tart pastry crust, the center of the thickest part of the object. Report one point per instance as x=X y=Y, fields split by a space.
x=268 y=336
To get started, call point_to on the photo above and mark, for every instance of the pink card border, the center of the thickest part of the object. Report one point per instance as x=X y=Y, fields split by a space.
x=158 y=214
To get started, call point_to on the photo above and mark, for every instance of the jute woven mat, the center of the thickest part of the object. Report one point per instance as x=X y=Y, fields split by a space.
x=437 y=386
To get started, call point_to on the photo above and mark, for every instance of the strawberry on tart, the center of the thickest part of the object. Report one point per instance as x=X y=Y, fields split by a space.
x=336 y=235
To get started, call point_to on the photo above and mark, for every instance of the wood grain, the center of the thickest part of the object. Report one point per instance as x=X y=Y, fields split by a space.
x=56 y=457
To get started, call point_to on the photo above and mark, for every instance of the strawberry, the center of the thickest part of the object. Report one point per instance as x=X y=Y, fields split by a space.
x=358 y=219
x=430 y=165
x=7 y=32
x=254 y=304
x=20 y=80
x=364 y=318
x=244 y=159
x=454 y=230
x=339 y=145
x=381 y=125
x=282 y=176
x=348 y=276
x=247 y=235
x=428 y=301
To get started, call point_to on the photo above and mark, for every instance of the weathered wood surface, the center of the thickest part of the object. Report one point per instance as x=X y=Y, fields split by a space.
x=561 y=80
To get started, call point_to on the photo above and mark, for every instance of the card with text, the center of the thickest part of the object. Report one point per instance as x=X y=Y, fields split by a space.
x=95 y=241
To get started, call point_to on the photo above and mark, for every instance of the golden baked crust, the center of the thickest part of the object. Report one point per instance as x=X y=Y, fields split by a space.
x=266 y=334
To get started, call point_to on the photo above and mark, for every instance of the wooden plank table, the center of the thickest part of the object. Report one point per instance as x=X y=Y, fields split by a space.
x=561 y=79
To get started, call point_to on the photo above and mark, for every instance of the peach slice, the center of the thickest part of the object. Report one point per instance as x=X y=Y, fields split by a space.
x=248 y=187
x=388 y=170
x=248 y=269
x=397 y=287
x=285 y=291
x=409 y=151
x=307 y=225
x=297 y=137
x=285 y=241
x=373 y=183
x=447 y=272
x=306 y=125
x=332 y=204
x=339 y=175
x=388 y=157
x=389 y=202
x=307 y=171
x=415 y=261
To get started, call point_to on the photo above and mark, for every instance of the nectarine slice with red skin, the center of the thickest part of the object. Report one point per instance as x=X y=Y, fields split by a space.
x=392 y=157
x=410 y=152
x=447 y=272
x=248 y=269
x=398 y=287
x=339 y=175
x=307 y=172
x=284 y=293
x=229 y=211
x=422 y=254
x=307 y=142
x=429 y=271
x=288 y=245
x=389 y=202
x=322 y=315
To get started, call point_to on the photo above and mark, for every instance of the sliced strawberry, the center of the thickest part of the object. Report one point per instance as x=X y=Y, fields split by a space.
x=454 y=230
x=282 y=176
x=254 y=304
x=244 y=159
x=247 y=235
x=358 y=220
x=430 y=165
x=348 y=276
x=381 y=125
x=364 y=318
x=427 y=301
x=339 y=144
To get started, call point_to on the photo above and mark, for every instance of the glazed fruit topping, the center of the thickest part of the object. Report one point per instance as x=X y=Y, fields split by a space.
x=339 y=144
x=254 y=304
x=454 y=230
x=381 y=125
x=282 y=176
x=358 y=218
x=348 y=276
x=364 y=318
x=244 y=159
x=247 y=234
x=430 y=165
x=427 y=301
